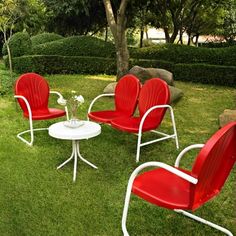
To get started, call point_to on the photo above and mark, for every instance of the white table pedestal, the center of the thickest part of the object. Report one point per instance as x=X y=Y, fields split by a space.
x=84 y=132
x=75 y=153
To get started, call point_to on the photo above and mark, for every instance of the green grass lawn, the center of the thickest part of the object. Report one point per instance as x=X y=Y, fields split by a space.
x=37 y=199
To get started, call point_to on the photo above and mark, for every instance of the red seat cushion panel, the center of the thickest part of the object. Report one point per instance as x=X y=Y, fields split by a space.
x=163 y=188
x=131 y=124
x=46 y=114
x=104 y=116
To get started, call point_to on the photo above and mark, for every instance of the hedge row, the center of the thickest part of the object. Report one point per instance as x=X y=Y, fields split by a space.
x=20 y=44
x=203 y=73
x=187 y=54
x=63 y=64
x=44 y=38
x=76 y=46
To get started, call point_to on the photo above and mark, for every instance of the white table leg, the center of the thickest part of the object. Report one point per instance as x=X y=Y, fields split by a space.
x=72 y=155
x=75 y=160
x=84 y=160
x=75 y=153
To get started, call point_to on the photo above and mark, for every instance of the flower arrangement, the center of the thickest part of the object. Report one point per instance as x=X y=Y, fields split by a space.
x=72 y=103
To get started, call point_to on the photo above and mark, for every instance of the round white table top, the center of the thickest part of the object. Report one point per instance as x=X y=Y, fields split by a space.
x=87 y=130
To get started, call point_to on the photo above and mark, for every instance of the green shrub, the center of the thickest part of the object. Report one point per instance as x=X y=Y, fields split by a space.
x=64 y=64
x=19 y=43
x=76 y=46
x=206 y=74
x=45 y=38
x=187 y=54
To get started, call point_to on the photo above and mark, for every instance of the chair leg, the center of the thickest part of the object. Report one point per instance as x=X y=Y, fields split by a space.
x=138 y=146
x=174 y=128
x=126 y=207
x=197 y=218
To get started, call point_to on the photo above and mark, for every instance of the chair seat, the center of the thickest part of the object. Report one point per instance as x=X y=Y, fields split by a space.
x=105 y=116
x=131 y=124
x=46 y=114
x=163 y=188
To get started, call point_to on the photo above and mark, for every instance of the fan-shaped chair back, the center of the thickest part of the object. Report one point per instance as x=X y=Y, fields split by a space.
x=35 y=89
x=213 y=165
x=154 y=92
x=126 y=94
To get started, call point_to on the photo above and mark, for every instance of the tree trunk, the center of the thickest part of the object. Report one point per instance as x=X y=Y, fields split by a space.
x=6 y=40
x=118 y=28
x=106 y=33
x=141 y=37
x=167 y=36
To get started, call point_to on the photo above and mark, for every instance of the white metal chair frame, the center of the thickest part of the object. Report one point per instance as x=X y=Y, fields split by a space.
x=31 y=130
x=96 y=98
x=165 y=136
x=139 y=144
x=177 y=172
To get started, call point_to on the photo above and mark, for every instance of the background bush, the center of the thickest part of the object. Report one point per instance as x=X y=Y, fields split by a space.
x=76 y=46
x=187 y=54
x=90 y=55
x=20 y=44
x=63 y=64
x=44 y=38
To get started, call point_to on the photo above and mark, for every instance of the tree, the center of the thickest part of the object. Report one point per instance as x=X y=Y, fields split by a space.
x=70 y=17
x=10 y=11
x=117 y=23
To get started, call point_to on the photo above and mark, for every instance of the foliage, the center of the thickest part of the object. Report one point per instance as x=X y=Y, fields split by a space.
x=19 y=43
x=76 y=46
x=70 y=17
x=206 y=74
x=64 y=64
x=187 y=54
x=44 y=38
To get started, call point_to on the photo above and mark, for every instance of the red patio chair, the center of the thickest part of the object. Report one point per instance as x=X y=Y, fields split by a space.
x=32 y=93
x=179 y=189
x=125 y=98
x=153 y=101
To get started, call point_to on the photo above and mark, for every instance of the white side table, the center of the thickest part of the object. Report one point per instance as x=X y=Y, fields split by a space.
x=87 y=130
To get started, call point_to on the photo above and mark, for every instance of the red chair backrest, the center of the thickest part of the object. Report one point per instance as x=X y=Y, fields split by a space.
x=35 y=89
x=213 y=165
x=154 y=92
x=126 y=94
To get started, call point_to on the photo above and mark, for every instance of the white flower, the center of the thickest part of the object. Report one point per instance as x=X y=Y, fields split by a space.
x=61 y=101
x=80 y=99
x=73 y=91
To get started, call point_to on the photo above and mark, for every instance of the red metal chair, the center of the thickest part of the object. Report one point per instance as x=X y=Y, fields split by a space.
x=153 y=102
x=178 y=189
x=126 y=97
x=32 y=93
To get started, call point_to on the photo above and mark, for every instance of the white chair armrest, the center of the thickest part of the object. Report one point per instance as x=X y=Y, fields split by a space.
x=169 y=168
x=184 y=151
x=150 y=110
x=57 y=93
x=96 y=98
x=27 y=105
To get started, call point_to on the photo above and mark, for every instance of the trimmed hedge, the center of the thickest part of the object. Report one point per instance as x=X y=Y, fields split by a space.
x=44 y=38
x=187 y=54
x=203 y=73
x=62 y=64
x=77 y=46
x=20 y=44
x=206 y=74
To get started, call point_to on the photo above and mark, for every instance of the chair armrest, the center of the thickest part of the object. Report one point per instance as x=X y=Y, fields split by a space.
x=150 y=110
x=185 y=150
x=61 y=97
x=57 y=93
x=26 y=103
x=96 y=98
